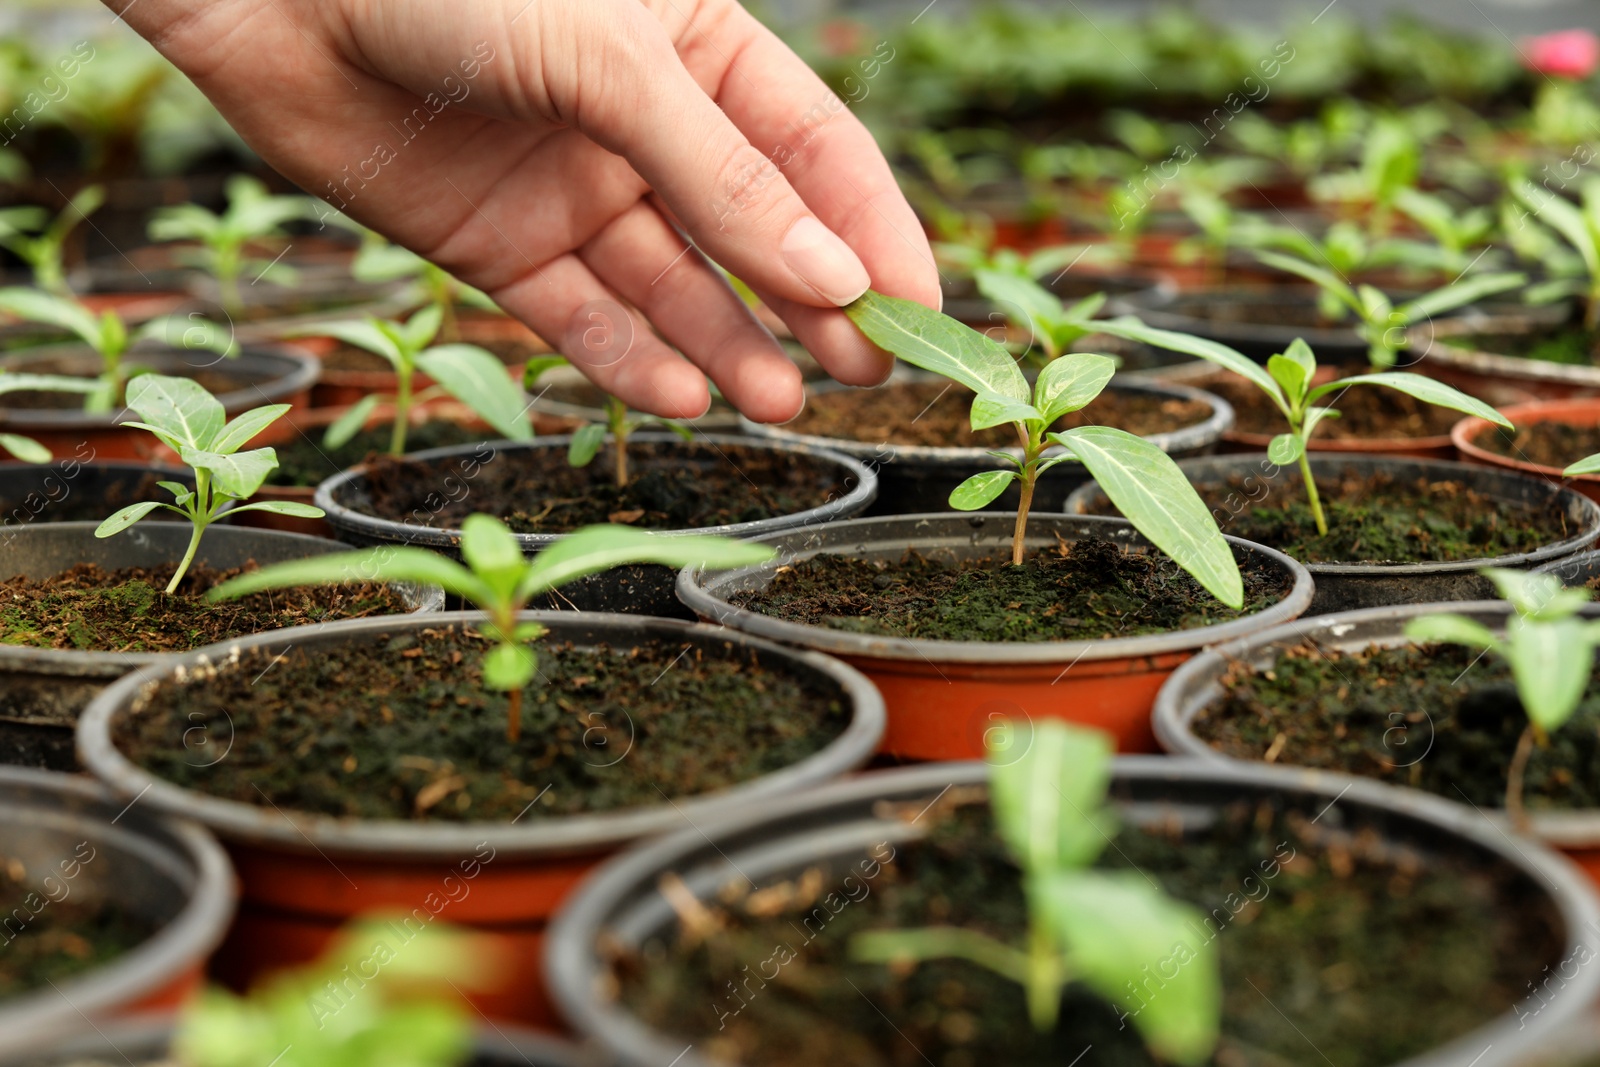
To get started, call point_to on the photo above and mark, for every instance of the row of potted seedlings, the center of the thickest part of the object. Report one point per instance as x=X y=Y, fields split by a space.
x=475 y=767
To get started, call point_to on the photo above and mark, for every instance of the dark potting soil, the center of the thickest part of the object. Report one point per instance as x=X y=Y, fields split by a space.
x=306 y=461
x=1291 y=310
x=1333 y=946
x=56 y=500
x=1570 y=345
x=672 y=486
x=218 y=383
x=90 y=609
x=1365 y=413
x=401 y=727
x=1086 y=590
x=60 y=939
x=937 y=414
x=1548 y=443
x=1440 y=718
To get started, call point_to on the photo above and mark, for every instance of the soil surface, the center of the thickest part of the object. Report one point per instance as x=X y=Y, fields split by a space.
x=1548 y=443
x=1434 y=717
x=306 y=461
x=63 y=938
x=1571 y=345
x=938 y=414
x=1083 y=591
x=401 y=727
x=1365 y=412
x=217 y=383
x=1367 y=952
x=90 y=609
x=1376 y=519
x=672 y=486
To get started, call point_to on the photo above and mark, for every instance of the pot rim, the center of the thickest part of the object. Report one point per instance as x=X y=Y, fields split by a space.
x=1196 y=435
x=298 y=372
x=1564 y=497
x=1465 y=432
x=699 y=590
x=412 y=841
x=1513 y=367
x=63 y=661
x=180 y=944
x=1182 y=697
x=572 y=970
x=348 y=519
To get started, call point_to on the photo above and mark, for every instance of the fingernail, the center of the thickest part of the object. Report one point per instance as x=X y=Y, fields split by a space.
x=824 y=262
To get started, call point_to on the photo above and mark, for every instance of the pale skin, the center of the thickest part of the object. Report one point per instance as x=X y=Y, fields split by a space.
x=590 y=132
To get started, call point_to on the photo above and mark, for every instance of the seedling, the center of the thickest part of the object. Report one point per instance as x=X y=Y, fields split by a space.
x=1140 y=479
x=253 y=217
x=470 y=374
x=1460 y=234
x=108 y=336
x=1289 y=380
x=1391 y=161
x=26 y=448
x=33 y=236
x=1550 y=651
x=1103 y=929
x=379 y=261
x=619 y=422
x=501 y=582
x=1579 y=226
x=1052 y=328
x=191 y=422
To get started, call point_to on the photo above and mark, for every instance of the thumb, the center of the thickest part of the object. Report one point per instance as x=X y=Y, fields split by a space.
x=640 y=101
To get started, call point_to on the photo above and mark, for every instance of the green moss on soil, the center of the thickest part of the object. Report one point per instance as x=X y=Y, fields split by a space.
x=1566 y=345
x=53 y=936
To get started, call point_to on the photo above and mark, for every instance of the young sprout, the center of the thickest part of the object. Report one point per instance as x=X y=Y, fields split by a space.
x=379 y=261
x=1289 y=380
x=34 y=237
x=1391 y=161
x=1459 y=235
x=1052 y=328
x=470 y=374
x=108 y=336
x=191 y=422
x=1579 y=226
x=620 y=423
x=253 y=216
x=26 y=448
x=1143 y=481
x=1103 y=929
x=501 y=582
x=1550 y=651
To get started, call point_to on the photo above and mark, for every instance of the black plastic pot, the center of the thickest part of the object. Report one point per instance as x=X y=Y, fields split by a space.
x=71 y=840
x=42 y=690
x=146 y=1041
x=300 y=871
x=1574 y=571
x=70 y=490
x=642 y=589
x=918 y=479
x=942 y=696
x=835 y=828
x=1197 y=684
x=1349 y=586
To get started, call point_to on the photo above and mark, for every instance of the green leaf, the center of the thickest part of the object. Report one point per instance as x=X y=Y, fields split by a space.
x=1284 y=449
x=282 y=507
x=243 y=429
x=1155 y=496
x=597 y=548
x=1117 y=928
x=992 y=409
x=1049 y=801
x=684 y=432
x=1586 y=465
x=190 y=332
x=113 y=334
x=238 y=474
x=1070 y=382
x=126 y=518
x=383 y=563
x=980 y=490
x=24 y=448
x=935 y=342
x=364 y=334
x=423 y=327
x=1290 y=375
x=476 y=378
x=1562 y=216
x=181 y=494
x=180 y=407
x=1450 y=297
x=585 y=443
x=1551 y=662
x=352 y=422
x=1323 y=279
x=509 y=666
x=33 y=305
x=538 y=366
x=1300 y=353
x=48 y=383
x=1132 y=329
x=491 y=550
x=1537 y=596
x=1427 y=390
x=1449 y=629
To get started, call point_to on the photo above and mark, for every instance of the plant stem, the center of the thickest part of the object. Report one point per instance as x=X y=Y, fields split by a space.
x=1032 y=446
x=402 y=409
x=617 y=417
x=1519 y=764
x=1311 y=491
x=199 y=516
x=1044 y=980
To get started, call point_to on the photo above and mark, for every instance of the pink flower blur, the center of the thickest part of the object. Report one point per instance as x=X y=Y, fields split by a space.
x=1567 y=54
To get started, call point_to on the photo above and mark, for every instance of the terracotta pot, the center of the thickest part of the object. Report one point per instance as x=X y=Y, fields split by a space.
x=1470 y=369
x=304 y=876
x=74 y=840
x=942 y=697
x=1574 y=412
x=1197 y=684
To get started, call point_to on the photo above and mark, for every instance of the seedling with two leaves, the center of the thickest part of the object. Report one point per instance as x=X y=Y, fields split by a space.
x=253 y=217
x=1103 y=929
x=191 y=422
x=1575 y=268
x=470 y=374
x=1140 y=479
x=37 y=238
x=108 y=335
x=379 y=261
x=620 y=423
x=500 y=581
x=1549 y=648
x=1052 y=327
x=1289 y=380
